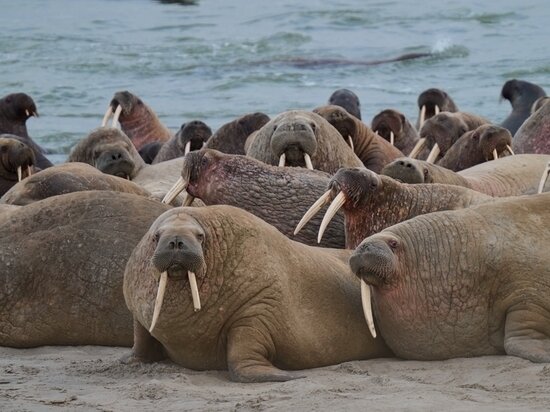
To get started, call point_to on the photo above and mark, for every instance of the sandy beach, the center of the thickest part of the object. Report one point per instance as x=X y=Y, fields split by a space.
x=91 y=378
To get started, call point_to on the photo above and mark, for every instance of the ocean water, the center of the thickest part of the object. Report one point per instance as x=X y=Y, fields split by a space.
x=214 y=60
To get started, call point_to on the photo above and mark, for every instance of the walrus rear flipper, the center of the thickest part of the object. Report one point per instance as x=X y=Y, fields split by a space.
x=525 y=337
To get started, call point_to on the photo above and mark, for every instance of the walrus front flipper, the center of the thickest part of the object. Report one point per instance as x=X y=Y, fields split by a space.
x=526 y=334
x=146 y=348
x=247 y=357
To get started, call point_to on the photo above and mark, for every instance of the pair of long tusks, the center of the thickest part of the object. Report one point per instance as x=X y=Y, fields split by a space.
x=160 y=296
x=350 y=142
x=367 y=307
x=187 y=148
x=115 y=116
x=433 y=153
x=417 y=148
x=391 y=137
x=544 y=178
x=336 y=204
x=307 y=159
x=423 y=114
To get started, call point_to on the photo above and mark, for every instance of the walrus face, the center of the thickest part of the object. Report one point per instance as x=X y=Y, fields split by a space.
x=294 y=141
x=16 y=159
x=348 y=100
x=407 y=171
x=127 y=101
x=493 y=140
x=192 y=136
x=443 y=129
x=389 y=124
x=340 y=119
x=431 y=102
x=18 y=107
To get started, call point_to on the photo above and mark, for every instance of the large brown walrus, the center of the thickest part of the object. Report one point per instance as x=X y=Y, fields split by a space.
x=218 y=288
x=463 y=283
x=301 y=138
x=373 y=150
x=62 y=262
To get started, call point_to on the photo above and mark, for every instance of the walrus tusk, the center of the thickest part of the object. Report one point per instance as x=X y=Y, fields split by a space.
x=312 y=211
x=433 y=154
x=175 y=190
x=27 y=113
x=188 y=200
x=417 y=148
x=367 y=307
x=19 y=173
x=495 y=154
x=543 y=178
x=282 y=160
x=350 y=142
x=307 y=159
x=160 y=298
x=108 y=114
x=336 y=204
x=510 y=149
x=116 y=115
x=29 y=171
x=391 y=138
x=187 y=148
x=194 y=291
x=422 y=116
x=436 y=110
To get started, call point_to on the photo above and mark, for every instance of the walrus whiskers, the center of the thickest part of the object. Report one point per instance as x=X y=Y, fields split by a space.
x=108 y=114
x=307 y=159
x=116 y=115
x=336 y=204
x=433 y=154
x=187 y=148
x=367 y=307
x=282 y=160
x=160 y=298
x=194 y=291
x=417 y=148
x=312 y=211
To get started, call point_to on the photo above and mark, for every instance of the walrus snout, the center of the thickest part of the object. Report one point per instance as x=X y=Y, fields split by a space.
x=193 y=135
x=116 y=162
x=178 y=254
x=494 y=140
x=296 y=141
x=374 y=260
x=405 y=170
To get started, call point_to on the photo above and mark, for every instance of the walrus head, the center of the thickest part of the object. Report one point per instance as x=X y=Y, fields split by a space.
x=294 y=141
x=389 y=124
x=16 y=158
x=18 y=107
x=340 y=119
x=521 y=93
x=192 y=136
x=348 y=100
x=442 y=130
x=407 y=170
x=431 y=102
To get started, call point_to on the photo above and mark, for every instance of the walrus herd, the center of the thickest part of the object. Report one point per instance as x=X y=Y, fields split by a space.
x=208 y=248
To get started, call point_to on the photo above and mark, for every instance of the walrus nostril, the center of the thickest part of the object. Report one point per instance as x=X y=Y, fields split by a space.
x=401 y=163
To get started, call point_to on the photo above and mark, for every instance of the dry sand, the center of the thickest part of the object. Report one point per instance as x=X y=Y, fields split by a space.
x=91 y=378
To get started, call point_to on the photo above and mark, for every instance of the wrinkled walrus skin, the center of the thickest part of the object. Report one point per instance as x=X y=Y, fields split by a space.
x=268 y=303
x=61 y=268
x=464 y=283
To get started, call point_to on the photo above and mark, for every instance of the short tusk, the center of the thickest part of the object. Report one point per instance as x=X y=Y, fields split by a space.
x=433 y=154
x=108 y=114
x=510 y=149
x=422 y=117
x=350 y=142
x=336 y=204
x=19 y=173
x=391 y=138
x=175 y=190
x=495 y=154
x=116 y=115
x=544 y=178
x=436 y=110
x=417 y=148
x=27 y=113
x=307 y=159
x=282 y=160
x=160 y=298
x=29 y=171
x=187 y=148
x=194 y=291
x=188 y=201
x=367 y=307
x=313 y=210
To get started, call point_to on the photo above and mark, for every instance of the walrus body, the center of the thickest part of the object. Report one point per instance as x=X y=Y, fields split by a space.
x=391 y=121
x=61 y=268
x=521 y=95
x=294 y=136
x=463 y=283
x=373 y=150
x=191 y=136
x=534 y=134
x=267 y=303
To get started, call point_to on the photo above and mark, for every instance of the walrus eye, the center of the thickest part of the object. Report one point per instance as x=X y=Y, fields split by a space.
x=200 y=237
x=156 y=237
x=392 y=243
x=425 y=173
x=313 y=127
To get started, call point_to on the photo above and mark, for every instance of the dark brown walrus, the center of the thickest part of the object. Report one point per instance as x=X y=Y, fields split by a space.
x=191 y=136
x=62 y=262
x=16 y=161
x=396 y=129
x=521 y=95
x=218 y=288
x=373 y=150
x=432 y=102
x=348 y=100
x=463 y=283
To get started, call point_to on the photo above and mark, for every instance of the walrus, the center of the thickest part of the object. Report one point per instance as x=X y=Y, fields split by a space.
x=441 y=131
x=533 y=135
x=111 y=151
x=541 y=101
x=231 y=137
x=373 y=202
x=463 y=283
x=487 y=142
x=138 y=121
x=396 y=129
x=348 y=100
x=431 y=102
x=67 y=178
x=521 y=95
x=257 y=303
x=16 y=161
x=62 y=263
x=191 y=136
x=507 y=176
x=150 y=151
x=302 y=138
x=278 y=195
x=374 y=151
